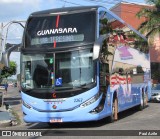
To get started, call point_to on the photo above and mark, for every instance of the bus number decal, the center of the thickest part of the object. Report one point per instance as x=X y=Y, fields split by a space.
x=78 y=99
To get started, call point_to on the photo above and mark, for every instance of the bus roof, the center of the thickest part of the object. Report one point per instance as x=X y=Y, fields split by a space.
x=65 y=9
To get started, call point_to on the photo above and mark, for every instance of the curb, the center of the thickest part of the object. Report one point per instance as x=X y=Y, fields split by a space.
x=5 y=123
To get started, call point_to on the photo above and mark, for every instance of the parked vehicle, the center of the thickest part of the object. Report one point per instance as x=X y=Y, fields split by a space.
x=2 y=86
x=155 y=97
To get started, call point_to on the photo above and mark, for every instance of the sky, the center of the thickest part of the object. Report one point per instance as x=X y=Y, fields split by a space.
x=19 y=10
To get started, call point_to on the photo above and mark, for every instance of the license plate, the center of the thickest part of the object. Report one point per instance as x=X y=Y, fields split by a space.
x=56 y=120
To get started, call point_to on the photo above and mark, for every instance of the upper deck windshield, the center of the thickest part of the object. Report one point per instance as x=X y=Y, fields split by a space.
x=58 y=71
x=60 y=30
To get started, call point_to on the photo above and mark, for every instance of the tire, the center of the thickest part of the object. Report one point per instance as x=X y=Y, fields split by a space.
x=141 y=106
x=114 y=115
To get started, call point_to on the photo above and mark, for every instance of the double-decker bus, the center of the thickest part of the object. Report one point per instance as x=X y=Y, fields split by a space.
x=82 y=64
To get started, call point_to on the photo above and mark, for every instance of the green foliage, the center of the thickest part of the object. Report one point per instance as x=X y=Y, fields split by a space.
x=105 y=29
x=105 y=26
x=152 y=25
x=139 y=42
x=139 y=69
x=104 y=51
x=7 y=72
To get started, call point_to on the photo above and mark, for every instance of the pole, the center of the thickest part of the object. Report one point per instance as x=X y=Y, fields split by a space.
x=1 y=47
x=8 y=25
x=1 y=39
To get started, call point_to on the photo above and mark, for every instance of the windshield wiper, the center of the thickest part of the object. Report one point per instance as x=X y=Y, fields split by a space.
x=84 y=86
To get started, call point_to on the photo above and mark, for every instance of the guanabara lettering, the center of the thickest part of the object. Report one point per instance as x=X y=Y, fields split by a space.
x=56 y=31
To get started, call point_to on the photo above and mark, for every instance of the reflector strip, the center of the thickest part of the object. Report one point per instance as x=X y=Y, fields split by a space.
x=57 y=24
x=57 y=21
x=54 y=44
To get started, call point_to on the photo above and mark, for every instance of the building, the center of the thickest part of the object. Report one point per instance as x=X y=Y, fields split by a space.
x=127 y=12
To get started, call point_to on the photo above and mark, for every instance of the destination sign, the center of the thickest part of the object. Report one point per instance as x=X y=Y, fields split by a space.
x=68 y=30
x=61 y=38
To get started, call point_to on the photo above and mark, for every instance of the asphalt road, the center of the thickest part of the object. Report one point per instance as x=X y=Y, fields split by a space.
x=129 y=121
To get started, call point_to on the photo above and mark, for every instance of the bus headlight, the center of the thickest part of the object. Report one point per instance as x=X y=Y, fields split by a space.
x=100 y=107
x=26 y=105
x=91 y=100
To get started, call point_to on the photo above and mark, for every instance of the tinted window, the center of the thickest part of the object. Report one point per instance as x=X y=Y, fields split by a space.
x=122 y=47
x=60 y=30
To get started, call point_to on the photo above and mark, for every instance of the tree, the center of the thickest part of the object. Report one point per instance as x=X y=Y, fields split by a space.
x=7 y=72
x=105 y=28
x=151 y=26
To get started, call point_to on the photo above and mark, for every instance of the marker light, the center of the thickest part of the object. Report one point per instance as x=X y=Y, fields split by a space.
x=57 y=13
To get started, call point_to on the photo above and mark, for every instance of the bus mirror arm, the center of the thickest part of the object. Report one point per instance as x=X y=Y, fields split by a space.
x=6 y=54
x=97 y=47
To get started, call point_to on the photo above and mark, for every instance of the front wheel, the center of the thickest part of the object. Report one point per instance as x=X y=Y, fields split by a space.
x=114 y=115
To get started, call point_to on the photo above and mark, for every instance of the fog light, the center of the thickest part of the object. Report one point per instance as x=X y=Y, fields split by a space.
x=97 y=110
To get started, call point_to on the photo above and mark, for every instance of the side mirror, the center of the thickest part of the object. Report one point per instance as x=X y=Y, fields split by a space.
x=97 y=47
x=6 y=54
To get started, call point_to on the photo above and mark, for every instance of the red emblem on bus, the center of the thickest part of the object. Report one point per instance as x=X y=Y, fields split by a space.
x=54 y=106
x=54 y=95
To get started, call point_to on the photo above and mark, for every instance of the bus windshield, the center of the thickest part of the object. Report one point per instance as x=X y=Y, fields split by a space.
x=58 y=70
x=60 y=30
